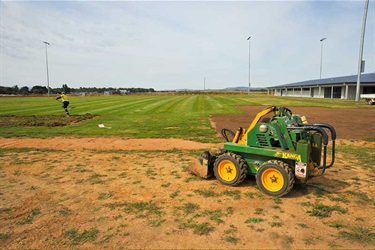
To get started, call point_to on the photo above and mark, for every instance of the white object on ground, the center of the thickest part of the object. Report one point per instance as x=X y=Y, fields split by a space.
x=101 y=125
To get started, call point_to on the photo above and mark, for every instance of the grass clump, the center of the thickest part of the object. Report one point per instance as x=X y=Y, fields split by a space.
x=362 y=197
x=149 y=210
x=122 y=175
x=202 y=229
x=190 y=208
x=230 y=210
x=104 y=196
x=5 y=235
x=77 y=238
x=229 y=235
x=340 y=198
x=150 y=173
x=303 y=225
x=360 y=234
x=140 y=209
x=156 y=222
x=29 y=219
x=276 y=224
x=5 y=210
x=277 y=200
x=322 y=211
x=96 y=179
x=65 y=211
x=236 y=194
x=254 y=220
x=252 y=195
x=174 y=194
x=309 y=241
x=258 y=211
x=336 y=224
x=165 y=185
x=215 y=215
x=206 y=193
x=198 y=228
x=231 y=239
x=288 y=240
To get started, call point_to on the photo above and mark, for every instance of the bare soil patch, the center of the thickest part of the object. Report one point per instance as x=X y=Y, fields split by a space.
x=115 y=193
x=104 y=144
x=349 y=123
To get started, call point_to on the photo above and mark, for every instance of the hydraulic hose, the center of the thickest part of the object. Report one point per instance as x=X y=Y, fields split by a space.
x=319 y=130
x=328 y=126
x=224 y=132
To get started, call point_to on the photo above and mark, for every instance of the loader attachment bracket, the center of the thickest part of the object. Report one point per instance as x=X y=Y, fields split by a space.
x=203 y=166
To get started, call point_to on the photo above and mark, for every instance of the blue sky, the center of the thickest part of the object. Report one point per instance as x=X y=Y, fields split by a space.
x=175 y=45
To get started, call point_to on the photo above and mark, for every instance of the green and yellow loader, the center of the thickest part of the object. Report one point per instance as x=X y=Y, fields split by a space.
x=279 y=148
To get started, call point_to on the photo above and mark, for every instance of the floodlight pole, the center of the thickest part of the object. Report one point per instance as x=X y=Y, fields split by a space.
x=321 y=55
x=47 y=43
x=248 y=90
x=361 y=52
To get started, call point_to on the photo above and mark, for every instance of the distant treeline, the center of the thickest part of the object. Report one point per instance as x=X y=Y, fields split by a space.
x=41 y=90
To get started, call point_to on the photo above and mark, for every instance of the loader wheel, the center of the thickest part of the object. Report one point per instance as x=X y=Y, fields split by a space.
x=275 y=178
x=230 y=169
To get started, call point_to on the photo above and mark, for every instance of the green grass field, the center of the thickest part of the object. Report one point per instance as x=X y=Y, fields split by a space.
x=140 y=116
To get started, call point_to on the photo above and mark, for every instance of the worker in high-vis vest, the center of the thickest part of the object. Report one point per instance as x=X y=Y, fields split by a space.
x=65 y=102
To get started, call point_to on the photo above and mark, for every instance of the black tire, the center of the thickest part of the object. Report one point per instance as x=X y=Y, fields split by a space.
x=230 y=169
x=275 y=178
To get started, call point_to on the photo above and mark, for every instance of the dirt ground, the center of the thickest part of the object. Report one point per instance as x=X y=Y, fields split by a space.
x=349 y=123
x=136 y=193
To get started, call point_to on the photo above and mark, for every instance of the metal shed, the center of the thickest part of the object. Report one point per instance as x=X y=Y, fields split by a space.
x=343 y=87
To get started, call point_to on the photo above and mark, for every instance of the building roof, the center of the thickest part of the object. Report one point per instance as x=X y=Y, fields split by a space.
x=365 y=78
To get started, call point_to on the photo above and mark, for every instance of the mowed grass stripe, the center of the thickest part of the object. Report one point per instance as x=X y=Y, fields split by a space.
x=28 y=106
x=161 y=105
x=186 y=106
x=117 y=105
x=182 y=106
x=99 y=105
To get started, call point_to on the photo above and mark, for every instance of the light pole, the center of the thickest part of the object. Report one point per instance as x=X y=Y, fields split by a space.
x=321 y=55
x=358 y=88
x=47 y=43
x=248 y=90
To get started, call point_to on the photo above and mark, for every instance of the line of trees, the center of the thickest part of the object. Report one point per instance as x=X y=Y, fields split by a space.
x=15 y=90
x=42 y=90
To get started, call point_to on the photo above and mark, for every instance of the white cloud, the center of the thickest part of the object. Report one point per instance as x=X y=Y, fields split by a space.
x=169 y=45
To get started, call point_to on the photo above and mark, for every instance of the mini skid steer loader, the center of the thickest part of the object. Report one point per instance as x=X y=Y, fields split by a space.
x=277 y=150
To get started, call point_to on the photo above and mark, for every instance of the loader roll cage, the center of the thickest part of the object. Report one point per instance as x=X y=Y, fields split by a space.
x=320 y=128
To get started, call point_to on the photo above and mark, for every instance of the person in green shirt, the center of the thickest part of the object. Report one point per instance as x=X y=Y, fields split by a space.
x=65 y=102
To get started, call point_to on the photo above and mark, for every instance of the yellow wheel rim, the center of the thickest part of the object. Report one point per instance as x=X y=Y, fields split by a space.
x=272 y=180
x=227 y=170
